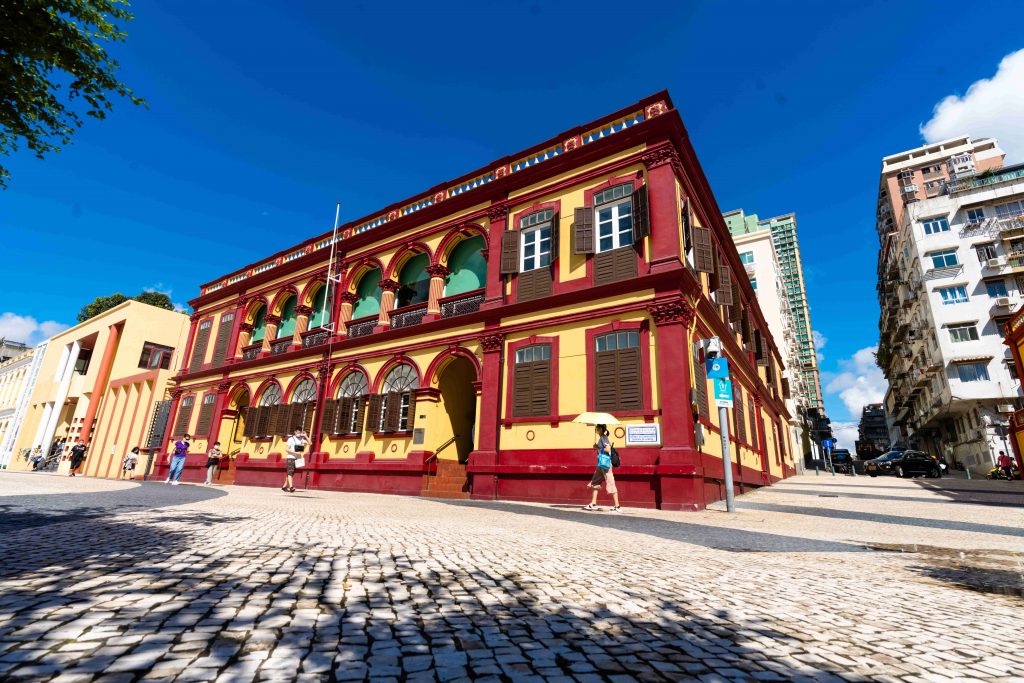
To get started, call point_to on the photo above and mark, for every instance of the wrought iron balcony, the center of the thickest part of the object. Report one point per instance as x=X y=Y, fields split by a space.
x=362 y=327
x=252 y=352
x=316 y=337
x=280 y=346
x=408 y=316
x=462 y=304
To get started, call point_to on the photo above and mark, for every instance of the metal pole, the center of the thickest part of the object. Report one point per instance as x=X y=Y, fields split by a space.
x=730 y=496
x=831 y=465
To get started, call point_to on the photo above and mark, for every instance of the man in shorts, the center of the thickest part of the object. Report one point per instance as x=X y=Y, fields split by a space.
x=296 y=448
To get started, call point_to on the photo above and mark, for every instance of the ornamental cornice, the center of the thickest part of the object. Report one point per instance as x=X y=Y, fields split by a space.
x=349 y=298
x=492 y=343
x=246 y=327
x=660 y=156
x=303 y=310
x=438 y=270
x=498 y=212
x=272 y=319
x=389 y=286
x=671 y=312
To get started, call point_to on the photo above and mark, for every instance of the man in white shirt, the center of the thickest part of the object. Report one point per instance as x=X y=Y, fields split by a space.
x=296 y=448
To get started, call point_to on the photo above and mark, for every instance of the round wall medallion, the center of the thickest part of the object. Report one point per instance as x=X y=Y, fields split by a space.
x=620 y=433
x=394 y=448
x=259 y=449
x=344 y=449
x=530 y=436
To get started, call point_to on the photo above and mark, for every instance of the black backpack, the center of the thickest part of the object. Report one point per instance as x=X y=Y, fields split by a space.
x=615 y=457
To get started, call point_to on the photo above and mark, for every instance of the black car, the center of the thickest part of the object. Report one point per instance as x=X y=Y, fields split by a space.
x=904 y=464
x=842 y=461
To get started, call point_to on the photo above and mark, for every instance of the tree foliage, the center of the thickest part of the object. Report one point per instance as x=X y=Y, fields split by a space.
x=54 y=68
x=105 y=303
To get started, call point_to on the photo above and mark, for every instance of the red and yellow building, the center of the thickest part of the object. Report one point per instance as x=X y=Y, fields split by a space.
x=460 y=332
x=1015 y=340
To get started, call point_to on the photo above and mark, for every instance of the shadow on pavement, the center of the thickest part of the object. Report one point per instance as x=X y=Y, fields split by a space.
x=877 y=496
x=718 y=538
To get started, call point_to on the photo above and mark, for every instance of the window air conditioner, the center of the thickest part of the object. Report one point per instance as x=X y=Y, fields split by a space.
x=1006 y=408
x=1003 y=301
x=997 y=262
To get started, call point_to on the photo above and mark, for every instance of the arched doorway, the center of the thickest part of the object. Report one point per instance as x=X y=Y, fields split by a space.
x=456 y=435
x=232 y=431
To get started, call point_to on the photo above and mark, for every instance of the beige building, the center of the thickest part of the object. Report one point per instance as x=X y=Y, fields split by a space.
x=17 y=376
x=98 y=382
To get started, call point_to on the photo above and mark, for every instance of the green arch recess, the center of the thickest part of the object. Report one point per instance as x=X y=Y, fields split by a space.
x=321 y=315
x=259 y=326
x=414 y=281
x=287 y=326
x=368 y=292
x=468 y=266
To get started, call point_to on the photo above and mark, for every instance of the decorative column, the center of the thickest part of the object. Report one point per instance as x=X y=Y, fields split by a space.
x=323 y=387
x=494 y=293
x=348 y=302
x=160 y=463
x=270 y=331
x=680 y=473
x=766 y=472
x=301 y=323
x=666 y=251
x=387 y=302
x=218 y=411
x=99 y=387
x=485 y=484
x=437 y=274
x=244 y=336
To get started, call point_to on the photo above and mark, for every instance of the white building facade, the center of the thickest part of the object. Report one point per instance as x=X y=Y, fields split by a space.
x=17 y=378
x=952 y=277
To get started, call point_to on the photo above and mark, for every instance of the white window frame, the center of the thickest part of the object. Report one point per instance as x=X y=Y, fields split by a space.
x=1006 y=290
x=976 y=215
x=955 y=289
x=969 y=328
x=944 y=253
x=620 y=237
x=977 y=376
x=532 y=236
x=935 y=225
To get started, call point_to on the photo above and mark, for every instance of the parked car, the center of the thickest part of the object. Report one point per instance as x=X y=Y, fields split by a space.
x=904 y=464
x=842 y=461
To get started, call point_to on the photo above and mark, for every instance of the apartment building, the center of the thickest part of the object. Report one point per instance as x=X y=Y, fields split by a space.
x=951 y=272
x=443 y=345
x=872 y=432
x=17 y=378
x=756 y=246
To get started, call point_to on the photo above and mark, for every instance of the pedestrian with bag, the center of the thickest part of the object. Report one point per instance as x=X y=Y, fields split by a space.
x=77 y=456
x=1004 y=463
x=129 y=462
x=607 y=459
x=296 y=448
x=177 y=460
x=212 y=463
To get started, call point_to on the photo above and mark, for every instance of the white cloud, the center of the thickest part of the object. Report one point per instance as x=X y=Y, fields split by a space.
x=992 y=107
x=819 y=339
x=845 y=434
x=859 y=382
x=26 y=329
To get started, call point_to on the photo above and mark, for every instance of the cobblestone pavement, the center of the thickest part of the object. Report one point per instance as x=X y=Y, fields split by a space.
x=814 y=579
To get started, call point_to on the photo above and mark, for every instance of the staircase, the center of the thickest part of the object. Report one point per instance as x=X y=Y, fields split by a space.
x=450 y=480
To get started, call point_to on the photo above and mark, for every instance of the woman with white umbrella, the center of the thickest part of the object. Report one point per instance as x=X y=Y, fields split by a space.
x=603 y=473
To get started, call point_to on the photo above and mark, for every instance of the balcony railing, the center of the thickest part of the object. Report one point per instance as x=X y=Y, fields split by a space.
x=461 y=304
x=362 y=327
x=280 y=346
x=407 y=316
x=252 y=352
x=315 y=337
x=984 y=181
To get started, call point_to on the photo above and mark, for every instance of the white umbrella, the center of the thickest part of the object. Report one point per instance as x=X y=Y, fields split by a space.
x=595 y=419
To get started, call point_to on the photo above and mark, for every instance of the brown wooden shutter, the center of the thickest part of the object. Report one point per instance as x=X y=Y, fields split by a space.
x=755 y=420
x=359 y=406
x=329 y=417
x=510 y=252
x=641 y=215
x=583 y=230
x=199 y=350
x=540 y=395
x=740 y=418
x=534 y=284
x=522 y=390
x=247 y=419
x=556 y=234
x=411 y=421
x=184 y=415
x=630 y=381
x=760 y=347
x=220 y=347
x=307 y=418
x=687 y=226
x=205 y=415
x=736 y=310
x=393 y=412
x=748 y=330
x=346 y=405
x=785 y=389
x=282 y=419
x=700 y=384
x=373 y=413
x=703 y=254
x=263 y=427
x=606 y=380
x=724 y=294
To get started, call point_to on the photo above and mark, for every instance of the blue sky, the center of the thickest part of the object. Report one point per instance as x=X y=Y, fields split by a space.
x=262 y=117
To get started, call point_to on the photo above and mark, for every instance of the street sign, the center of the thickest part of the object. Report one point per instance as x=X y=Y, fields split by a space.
x=827 y=443
x=723 y=393
x=643 y=435
x=718 y=368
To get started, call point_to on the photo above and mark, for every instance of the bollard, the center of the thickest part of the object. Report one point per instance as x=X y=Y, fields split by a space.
x=816 y=472
x=968 y=471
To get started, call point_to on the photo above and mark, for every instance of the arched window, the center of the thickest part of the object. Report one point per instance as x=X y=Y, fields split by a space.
x=321 y=309
x=259 y=326
x=287 y=326
x=414 y=281
x=395 y=407
x=305 y=392
x=368 y=292
x=271 y=396
x=351 y=404
x=468 y=266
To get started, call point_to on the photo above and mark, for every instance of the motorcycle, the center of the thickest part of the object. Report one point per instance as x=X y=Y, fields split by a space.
x=999 y=473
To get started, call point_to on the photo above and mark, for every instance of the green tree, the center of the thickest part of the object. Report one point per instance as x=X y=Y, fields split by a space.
x=51 y=59
x=105 y=303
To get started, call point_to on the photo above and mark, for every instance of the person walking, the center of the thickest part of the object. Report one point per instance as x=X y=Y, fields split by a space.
x=296 y=447
x=129 y=462
x=36 y=458
x=177 y=460
x=1005 y=464
x=212 y=463
x=77 y=456
x=603 y=473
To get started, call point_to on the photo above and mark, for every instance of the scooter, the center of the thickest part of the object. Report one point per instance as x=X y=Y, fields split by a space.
x=999 y=473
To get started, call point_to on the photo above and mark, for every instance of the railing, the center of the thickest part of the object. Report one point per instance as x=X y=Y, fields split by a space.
x=1016 y=260
x=408 y=316
x=252 y=352
x=606 y=129
x=315 y=338
x=462 y=304
x=362 y=327
x=280 y=346
x=979 y=181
